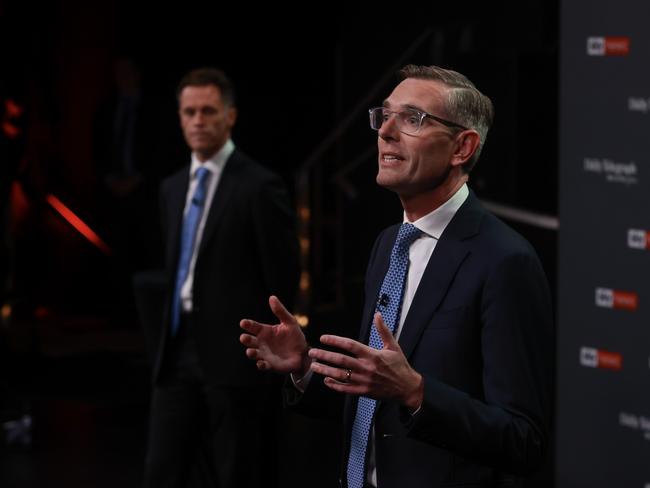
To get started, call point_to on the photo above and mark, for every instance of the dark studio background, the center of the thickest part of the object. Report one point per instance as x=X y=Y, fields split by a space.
x=74 y=356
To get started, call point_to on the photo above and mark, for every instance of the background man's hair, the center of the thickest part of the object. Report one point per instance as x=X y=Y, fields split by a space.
x=206 y=77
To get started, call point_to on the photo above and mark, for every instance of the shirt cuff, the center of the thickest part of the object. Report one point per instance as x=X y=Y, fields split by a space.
x=301 y=382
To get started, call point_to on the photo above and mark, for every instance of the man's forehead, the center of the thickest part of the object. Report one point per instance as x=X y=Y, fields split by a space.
x=203 y=94
x=419 y=93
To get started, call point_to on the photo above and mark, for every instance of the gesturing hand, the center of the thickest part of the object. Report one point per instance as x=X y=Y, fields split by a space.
x=375 y=373
x=281 y=347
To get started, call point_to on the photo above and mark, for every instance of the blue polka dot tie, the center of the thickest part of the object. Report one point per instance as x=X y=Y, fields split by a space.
x=390 y=306
x=188 y=235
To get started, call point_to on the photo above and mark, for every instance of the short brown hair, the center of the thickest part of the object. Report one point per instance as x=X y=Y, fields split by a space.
x=465 y=105
x=209 y=76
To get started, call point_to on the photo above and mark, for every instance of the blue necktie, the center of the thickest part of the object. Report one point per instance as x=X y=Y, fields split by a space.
x=390 y=306
x=188 y=235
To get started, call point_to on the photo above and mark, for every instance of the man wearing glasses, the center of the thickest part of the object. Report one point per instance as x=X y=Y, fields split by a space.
x=449 y=382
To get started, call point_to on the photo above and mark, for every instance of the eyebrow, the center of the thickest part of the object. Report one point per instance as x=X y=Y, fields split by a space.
x=386 y=104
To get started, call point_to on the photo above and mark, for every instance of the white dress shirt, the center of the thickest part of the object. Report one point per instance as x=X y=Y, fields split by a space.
x=215 y=165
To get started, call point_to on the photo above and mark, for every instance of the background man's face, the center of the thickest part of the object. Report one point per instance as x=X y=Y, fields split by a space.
x=205 y=119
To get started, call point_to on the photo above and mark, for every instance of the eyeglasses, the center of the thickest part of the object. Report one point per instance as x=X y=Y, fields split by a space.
x=409 y=121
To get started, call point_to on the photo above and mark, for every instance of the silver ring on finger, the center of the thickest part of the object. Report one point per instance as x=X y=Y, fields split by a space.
x=348 y=375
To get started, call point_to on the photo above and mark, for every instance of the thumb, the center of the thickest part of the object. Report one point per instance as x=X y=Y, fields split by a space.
x=280 y=311
x=385 y=333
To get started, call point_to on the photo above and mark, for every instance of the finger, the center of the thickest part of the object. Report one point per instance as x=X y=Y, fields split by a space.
x=249 y=340
x=334 y=358
x=345 y=343
x=347 y=388
x=251 y=326
x=384 y=333
x=252 y=353
x=262 y=365
x=338 y=374
x=280 y=311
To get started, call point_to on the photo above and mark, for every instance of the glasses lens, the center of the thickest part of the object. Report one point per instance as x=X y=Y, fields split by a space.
x=407 y=121
x=376 y=117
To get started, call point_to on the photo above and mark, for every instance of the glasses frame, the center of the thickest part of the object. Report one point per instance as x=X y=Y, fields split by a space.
x=422 y=114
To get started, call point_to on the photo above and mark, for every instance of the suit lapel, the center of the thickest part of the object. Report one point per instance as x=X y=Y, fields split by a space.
x=225 y=190
x=379 y=270
x=451 y=250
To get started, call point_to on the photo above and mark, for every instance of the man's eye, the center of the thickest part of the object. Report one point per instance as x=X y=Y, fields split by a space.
x=412 y=119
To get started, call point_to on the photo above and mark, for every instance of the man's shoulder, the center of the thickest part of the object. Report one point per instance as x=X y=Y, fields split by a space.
x=498 y=241
x=175 y=179
x=241 y=162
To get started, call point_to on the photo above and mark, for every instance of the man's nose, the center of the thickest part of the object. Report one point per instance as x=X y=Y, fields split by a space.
x=389 y=129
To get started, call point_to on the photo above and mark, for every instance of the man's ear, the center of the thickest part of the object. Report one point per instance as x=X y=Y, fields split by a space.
x=467 y=143
x=231 y=116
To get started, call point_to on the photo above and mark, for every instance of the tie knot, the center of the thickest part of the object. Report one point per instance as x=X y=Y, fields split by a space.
x=406 y=235
x=202 y=174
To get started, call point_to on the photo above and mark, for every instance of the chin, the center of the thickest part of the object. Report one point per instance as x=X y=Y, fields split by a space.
x=388 y=183
x=204 y=150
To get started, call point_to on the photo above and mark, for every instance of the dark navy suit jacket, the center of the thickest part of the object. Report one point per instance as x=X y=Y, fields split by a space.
x=249 y=251
x=479 y=330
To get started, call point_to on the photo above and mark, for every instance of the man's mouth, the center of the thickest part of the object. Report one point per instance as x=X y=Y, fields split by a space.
x=391 y=157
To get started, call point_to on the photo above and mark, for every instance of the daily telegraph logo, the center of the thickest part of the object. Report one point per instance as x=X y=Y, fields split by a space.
x=636 y=422
x=608 y=46
x=613 y=171
x=623 y=300
x=599 y=358
x=638 y=239
x=638 y=104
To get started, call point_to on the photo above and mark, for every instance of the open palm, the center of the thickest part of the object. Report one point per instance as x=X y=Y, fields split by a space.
x=281 y=347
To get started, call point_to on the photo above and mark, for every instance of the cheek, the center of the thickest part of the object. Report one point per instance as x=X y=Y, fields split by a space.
x=218 y=126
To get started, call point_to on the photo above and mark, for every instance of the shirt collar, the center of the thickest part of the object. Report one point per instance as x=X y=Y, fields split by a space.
x=435 y=222
x=216 y=163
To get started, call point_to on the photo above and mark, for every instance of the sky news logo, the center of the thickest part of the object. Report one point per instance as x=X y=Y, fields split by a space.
x=638 y=239
x=608 y=46
x=599 y=358
x=621 y=300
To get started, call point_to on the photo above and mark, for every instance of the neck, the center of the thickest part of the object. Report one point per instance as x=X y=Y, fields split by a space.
x=420 y=204
x=202 y=157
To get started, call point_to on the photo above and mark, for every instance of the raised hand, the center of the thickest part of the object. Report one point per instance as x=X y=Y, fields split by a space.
x=281 y=347
x=375 y=373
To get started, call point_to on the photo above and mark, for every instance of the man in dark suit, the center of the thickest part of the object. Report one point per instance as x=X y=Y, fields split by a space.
x=230 y=240
x=449 y=383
